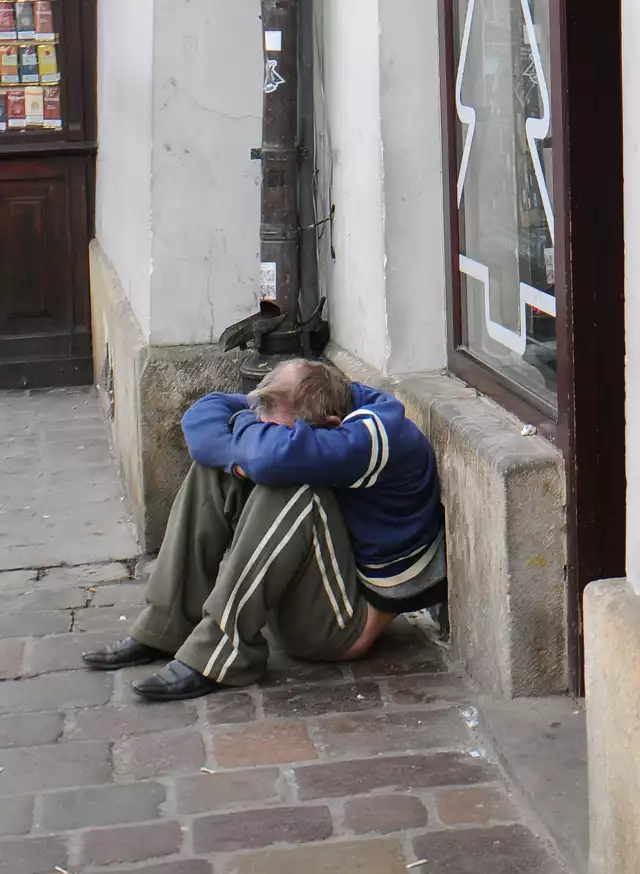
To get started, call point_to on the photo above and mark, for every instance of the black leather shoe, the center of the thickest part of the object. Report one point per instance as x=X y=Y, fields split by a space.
x=174 y=682
x=127 y=653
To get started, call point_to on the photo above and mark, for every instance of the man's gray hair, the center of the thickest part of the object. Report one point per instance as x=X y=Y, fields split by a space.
x=314 y=393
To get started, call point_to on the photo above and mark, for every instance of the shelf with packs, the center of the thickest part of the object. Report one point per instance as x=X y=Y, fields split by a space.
x=27 y=20
x=30 y=95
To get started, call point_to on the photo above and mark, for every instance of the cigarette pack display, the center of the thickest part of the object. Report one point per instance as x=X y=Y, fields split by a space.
x=16 y=109
x=29 y=65
x=3 y=112
x=9 y=65
x=25 y=20
x=52 y=111
x=7 y=21
x=48 y=64
x=34 y=105
x=44 y=20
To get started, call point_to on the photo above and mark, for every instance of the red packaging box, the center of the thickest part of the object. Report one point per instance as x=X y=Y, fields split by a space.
x=16 y=109
x=7 y=21
x=52 y=109
x=44 y=20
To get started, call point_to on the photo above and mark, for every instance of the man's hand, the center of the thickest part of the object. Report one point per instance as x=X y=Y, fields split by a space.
x=239 y=472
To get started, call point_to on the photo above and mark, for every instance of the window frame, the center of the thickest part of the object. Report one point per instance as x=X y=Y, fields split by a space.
x=515 y=398
x=589 y=423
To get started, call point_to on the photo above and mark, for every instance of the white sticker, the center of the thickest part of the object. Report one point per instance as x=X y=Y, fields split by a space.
x=550 y=264
x=268 y=275
x=273 y=40
x=272 y=78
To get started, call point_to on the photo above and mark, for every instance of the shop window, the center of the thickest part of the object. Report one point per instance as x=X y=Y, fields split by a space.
x=502 y=215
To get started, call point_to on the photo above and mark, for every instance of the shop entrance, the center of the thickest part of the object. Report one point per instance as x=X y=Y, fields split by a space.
x=532 y=94
x=47 y=180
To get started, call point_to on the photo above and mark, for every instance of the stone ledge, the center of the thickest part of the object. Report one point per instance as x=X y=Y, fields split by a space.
x=612 y=651
x=505 y=501
x=153 y=386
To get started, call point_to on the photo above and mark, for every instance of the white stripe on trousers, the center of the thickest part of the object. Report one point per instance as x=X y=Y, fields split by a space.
x=276 y=552
x=334 y=561
x=254 y=558
x=325 y=579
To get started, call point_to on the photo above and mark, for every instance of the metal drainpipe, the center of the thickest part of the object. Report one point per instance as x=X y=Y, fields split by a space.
x=289 y=275
x=309 y=287
x=279 y=227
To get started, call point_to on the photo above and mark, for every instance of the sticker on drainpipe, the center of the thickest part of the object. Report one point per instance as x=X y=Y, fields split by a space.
x=273 y=40
x=268 y=274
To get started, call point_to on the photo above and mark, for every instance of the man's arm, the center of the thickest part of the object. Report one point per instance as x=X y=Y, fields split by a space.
x=350 y=456
x=207 y=428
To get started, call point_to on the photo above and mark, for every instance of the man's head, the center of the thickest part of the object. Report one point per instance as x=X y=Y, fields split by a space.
x=305 y=391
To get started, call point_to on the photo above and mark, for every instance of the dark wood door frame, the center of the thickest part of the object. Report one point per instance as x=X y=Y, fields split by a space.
x=589 y=198
x=589 y=425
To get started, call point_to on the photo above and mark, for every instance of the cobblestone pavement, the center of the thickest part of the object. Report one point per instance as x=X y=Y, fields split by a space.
x=367 y=767
x=60 y=499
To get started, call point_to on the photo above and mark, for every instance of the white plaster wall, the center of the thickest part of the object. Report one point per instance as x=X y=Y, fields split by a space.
x=356 y=282
x=631 y=86
x=413 y=185
x=123 y=210
x=208 y=75
x=380 y=144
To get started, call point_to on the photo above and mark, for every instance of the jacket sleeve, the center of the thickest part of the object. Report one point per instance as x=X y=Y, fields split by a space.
x=349 y=456
x=207 y=428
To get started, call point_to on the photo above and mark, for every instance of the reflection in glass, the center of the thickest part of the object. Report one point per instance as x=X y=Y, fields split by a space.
x=505 y=188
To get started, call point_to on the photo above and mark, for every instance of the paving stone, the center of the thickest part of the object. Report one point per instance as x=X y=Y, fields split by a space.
x=16 y=814
x=383 y=814
x=69 y=453
x=101 y=806
x=62 y=652
x=319 y=700
x=263 y=744
x=284 y=671
x=29 y=730
x=11 y=652
x=176 y=752
x=58 y=691
x=123 y=594
x=475 y=806
x=225 y=833
x=500 y=850
x=116 y=619
x=85 y=575
x=43 y=600
x=340 y=779
x=144 y=568
x=371 y=733
x=30 y=769
x=209 y=792
x=180 y=866
x=35 y=624
x=402 y=650
x=361 y=857
x=115 y=723
x=427 y=689
x=231 y=707
x=130 y=844
x=17 y=581
x=32 y=856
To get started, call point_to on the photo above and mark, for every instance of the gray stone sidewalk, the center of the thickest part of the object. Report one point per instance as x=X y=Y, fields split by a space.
x=61 y=499
x=367 y=767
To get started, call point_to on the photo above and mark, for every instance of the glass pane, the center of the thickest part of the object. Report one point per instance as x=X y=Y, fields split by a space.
x=30 y=98
x=505 y=188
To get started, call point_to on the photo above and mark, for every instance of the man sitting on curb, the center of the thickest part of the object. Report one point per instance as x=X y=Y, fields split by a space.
x=315 y=500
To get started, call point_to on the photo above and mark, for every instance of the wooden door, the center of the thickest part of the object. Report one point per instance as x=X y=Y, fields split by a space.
x=44 y=284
